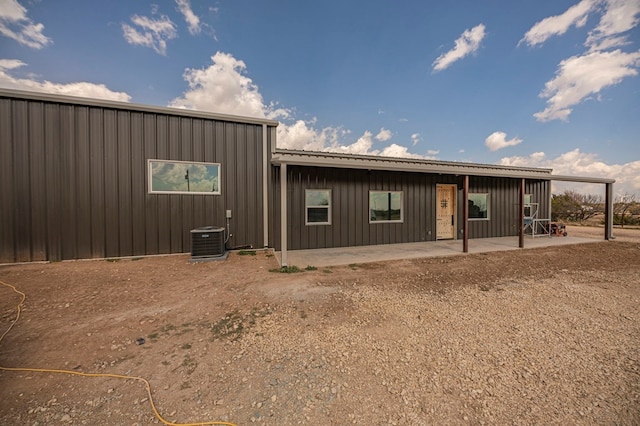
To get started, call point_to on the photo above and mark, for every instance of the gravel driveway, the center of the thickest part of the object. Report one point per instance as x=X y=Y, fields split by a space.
x=529 y=337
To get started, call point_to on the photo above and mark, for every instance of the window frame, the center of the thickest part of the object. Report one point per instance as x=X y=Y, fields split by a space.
x=314 y=206
x=377 y=221
x=487 y=202
x=152 y=161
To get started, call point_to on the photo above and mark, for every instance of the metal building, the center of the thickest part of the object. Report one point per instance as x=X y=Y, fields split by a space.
x=75 y=177
x=82 y=178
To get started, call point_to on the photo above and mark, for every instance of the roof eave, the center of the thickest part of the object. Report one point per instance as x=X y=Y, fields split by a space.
x=405 y=165
x=76 y=100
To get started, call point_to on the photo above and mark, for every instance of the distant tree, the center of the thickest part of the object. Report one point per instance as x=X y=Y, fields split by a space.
x=575 y=207
x=623 y=205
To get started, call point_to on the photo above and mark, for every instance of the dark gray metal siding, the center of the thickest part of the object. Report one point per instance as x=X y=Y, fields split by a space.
x=350 y=206
x=73 y=181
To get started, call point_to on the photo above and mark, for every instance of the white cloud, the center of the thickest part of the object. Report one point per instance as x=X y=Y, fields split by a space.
x=224 y=87
x=432 y=154
x=577 y=163
x=184 y=6
x=398 y=151
x=384 y=135
x=363 y=145
x=149 y=32
x=9 y=64
x=498 y=140
x=580 y=76
x=415 y=138
x=15 y=24
x=559 y=24
x=303 y=136
x=82 y=88
x=467 y=43
x=619 y=16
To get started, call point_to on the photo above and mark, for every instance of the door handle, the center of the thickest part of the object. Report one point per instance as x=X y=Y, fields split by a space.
x=451 y=220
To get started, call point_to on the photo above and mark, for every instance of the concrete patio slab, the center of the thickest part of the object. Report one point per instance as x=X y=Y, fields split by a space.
x=365 y=254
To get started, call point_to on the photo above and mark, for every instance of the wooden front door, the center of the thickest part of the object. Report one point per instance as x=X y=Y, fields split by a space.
x=446 y=212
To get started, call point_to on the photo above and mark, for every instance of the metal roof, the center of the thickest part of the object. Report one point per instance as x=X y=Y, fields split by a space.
x=76 y=100
x=370 y=162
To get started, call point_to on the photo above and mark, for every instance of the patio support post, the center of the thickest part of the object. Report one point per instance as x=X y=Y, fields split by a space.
x=608 y=212
x=521 y=215
x=283 y=214
x=265 y=188
x=465 y=214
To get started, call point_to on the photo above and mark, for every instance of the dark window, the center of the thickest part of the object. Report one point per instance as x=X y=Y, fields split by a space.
x=182 y=177
x=385 y=206
x=318 y=206
x=479 y=206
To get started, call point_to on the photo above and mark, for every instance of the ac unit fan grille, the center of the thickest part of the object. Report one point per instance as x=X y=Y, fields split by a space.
x=207 y=241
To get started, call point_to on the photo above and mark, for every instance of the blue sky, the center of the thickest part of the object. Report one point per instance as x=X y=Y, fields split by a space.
x=531 y=83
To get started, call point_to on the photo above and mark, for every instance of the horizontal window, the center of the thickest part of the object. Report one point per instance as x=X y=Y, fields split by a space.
x=182 y=177
x=385 y=206
x=479 y=206
x=317 y=206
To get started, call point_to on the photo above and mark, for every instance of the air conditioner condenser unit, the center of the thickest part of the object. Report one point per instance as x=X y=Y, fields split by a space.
x=207 y=242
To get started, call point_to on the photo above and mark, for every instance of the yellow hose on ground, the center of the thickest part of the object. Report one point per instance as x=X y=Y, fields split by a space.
x=76 y=373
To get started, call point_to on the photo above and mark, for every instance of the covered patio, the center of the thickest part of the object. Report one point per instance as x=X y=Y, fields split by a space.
x=376 y=253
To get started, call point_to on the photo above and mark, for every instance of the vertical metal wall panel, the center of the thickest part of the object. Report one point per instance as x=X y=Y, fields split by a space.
x=341 y=223
x=252 y=197
x=22 y=194
x=350 y=197
x=185 y=223
x=209 y=153
x=138 y=184
x=97 y=177
x=7 y=184
x=198 y=205
x=109 y=183
x=74 y=180
x=82 y=177
x=53 y=171
x=228 y=158
x=124 y=184
x=241 y=178
x=275 y=213
x=37 y=192
x=503 y=205
x=151 y=141
x=68 y=189
x=163 y=229
x=350 y=207
x=22 y=180
x=175 y=202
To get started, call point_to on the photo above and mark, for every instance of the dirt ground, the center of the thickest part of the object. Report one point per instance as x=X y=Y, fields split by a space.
x=535 y=336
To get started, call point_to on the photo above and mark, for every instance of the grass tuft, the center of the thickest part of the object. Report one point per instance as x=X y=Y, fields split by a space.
x=287 y=270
